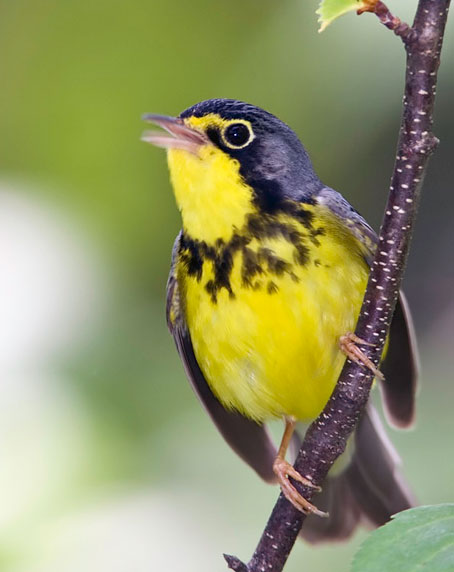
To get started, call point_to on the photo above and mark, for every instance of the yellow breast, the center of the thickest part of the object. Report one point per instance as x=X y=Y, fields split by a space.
x=265 y=313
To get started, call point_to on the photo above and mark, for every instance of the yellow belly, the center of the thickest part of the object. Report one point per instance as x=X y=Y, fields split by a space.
x=275 y=351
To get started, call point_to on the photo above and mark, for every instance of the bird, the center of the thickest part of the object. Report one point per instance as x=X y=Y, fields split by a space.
x=266 y=283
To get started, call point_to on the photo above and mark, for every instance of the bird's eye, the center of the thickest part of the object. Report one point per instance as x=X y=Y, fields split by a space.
x=237 y=135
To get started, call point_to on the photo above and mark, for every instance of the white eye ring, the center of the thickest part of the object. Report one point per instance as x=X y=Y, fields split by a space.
x=237 y=135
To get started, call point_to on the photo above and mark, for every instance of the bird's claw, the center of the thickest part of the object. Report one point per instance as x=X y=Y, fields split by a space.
x=283 y=470
x=348 y=345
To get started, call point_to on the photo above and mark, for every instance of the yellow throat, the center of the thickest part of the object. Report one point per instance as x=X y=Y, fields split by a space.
x=208 y=187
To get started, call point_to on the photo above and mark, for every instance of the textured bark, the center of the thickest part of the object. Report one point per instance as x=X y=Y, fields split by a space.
x=326 y=438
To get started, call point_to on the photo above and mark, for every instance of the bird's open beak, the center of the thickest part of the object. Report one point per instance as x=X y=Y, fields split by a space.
x=180 y=135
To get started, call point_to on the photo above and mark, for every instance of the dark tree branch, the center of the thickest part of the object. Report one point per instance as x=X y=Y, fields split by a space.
x=326 y=438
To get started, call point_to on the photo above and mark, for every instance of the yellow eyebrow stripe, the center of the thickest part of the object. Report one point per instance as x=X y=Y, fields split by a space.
x=213 y=120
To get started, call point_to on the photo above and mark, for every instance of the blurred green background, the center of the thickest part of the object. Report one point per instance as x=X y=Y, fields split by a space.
x=103 y=444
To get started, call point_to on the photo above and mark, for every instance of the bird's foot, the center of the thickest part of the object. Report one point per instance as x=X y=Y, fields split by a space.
x=348 y=344
x=283 y=470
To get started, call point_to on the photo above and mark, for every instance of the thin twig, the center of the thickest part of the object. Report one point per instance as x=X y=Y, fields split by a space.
x=381 y=10
x=327 y=436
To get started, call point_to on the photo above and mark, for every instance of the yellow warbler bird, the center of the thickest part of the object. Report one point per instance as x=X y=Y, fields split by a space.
x=266 y=283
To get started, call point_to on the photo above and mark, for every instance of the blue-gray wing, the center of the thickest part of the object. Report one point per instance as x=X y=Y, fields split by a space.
x=247 y=438
x=400 y=366
x=351 y=219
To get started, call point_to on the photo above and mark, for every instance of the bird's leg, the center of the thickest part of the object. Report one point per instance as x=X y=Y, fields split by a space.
x=283 y=470
x=348 y=344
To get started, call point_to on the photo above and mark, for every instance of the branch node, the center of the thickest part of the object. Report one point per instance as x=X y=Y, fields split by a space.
x=235 y=563
x=407 y=34
x=424 y=146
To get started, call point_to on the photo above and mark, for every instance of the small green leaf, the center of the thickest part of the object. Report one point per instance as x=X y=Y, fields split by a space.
x=419 y=539
x=329 y=10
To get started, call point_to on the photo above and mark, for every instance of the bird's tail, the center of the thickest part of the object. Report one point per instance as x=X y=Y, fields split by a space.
x=368 y=491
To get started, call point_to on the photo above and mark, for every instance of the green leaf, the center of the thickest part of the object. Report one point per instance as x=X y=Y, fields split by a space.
x=329 y=10
x=419 y=539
